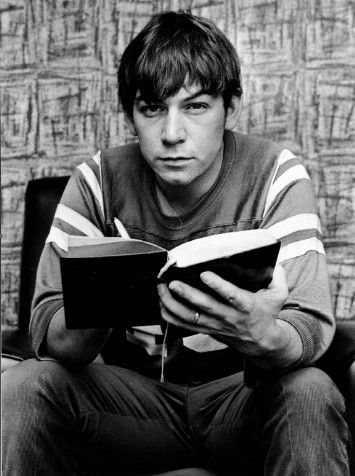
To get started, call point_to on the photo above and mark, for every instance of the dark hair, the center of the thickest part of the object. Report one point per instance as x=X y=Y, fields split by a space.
x=174 y=46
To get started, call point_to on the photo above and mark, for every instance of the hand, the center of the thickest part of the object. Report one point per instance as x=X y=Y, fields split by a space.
x=241 y=319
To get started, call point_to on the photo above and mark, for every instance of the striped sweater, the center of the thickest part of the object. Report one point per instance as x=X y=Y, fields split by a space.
x=260 y=185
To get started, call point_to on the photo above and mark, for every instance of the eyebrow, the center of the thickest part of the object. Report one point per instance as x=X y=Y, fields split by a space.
x=200 y=92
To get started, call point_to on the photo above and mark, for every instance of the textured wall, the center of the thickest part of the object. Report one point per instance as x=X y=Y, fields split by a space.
x=59 y=104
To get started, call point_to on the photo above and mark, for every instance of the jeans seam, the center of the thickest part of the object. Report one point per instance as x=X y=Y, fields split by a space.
x=288 y=422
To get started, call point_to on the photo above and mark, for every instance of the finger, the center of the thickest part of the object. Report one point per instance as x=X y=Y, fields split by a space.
x=170 y=302
x=183 y=315
x=200 y=300
x=187 y=322
x=240 y=299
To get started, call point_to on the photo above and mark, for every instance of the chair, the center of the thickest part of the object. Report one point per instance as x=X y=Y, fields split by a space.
x=41 y=198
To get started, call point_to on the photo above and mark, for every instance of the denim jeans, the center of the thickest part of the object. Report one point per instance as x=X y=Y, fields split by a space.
x=104 y=419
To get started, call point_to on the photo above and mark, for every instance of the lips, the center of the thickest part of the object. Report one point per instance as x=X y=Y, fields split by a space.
x=174 y=159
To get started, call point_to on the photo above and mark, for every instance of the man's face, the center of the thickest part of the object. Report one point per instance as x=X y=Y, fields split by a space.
x=181 y=138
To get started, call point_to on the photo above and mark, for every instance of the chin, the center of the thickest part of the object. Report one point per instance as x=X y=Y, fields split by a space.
x=183 y=180
x=177 y=183
x=175 y=180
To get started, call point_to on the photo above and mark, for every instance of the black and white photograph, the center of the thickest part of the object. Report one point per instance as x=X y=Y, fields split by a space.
x=177 y=237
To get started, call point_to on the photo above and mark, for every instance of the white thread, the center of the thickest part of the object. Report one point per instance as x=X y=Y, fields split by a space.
x=164 y=354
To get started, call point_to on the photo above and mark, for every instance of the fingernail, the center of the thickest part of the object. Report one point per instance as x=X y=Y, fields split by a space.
x=206 y=277
x=160 y=289
x=174 y=286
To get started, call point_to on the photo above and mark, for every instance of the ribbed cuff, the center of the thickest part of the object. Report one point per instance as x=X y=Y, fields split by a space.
x=310 y=331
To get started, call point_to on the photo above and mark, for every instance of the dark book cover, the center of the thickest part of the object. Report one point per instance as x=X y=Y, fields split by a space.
x=251 y=270
x=111 y=290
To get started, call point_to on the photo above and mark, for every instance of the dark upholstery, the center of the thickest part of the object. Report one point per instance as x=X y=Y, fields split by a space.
x=41 y=199
x=42 y=196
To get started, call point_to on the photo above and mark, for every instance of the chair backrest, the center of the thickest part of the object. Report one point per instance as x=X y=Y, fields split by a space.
x=41 y=199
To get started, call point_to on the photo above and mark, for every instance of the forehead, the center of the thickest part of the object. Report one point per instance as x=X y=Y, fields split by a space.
x=187 y=91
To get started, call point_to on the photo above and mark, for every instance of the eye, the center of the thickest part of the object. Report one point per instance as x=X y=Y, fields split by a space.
x=196 y=107
x=151 y=110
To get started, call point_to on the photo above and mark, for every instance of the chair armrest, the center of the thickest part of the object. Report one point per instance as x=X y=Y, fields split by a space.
x=341 y=353
x=339 y=363
x=349 y=394
x=16 y=344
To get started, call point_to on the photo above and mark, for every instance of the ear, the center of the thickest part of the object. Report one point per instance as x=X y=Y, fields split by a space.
x=131 y=126
x=233 y=112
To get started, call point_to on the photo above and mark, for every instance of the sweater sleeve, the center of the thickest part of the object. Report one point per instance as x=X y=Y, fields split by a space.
x=80 y=212
x=291 y=215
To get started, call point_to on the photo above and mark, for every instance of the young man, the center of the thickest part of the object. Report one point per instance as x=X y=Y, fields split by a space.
x=188 y=176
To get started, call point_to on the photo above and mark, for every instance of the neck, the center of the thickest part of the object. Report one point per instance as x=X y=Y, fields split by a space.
x=174 y=203
x=179 y=200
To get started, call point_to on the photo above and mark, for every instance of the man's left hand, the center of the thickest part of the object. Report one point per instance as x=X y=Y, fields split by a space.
x=241 y=319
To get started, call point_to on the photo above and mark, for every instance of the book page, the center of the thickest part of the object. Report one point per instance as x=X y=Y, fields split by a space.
x=219 y=246
x=83 y=246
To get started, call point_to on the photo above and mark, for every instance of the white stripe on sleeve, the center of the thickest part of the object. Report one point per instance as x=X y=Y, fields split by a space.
x=59 y=237
x=302 y=221
x=293 y=174
x=97 y=159
x=76 y=220
x=93 y=184
x=299 y=248
x=284 y=157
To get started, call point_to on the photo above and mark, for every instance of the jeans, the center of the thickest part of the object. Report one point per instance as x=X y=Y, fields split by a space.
x=103 y=419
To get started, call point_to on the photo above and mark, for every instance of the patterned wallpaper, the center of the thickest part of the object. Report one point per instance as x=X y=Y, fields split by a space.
x=59 y=101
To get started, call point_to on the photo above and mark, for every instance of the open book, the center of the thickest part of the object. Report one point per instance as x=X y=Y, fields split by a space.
x=110 y=281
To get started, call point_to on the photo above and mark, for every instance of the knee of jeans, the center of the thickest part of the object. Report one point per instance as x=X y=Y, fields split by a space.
x=29 y=381
x=312 y=385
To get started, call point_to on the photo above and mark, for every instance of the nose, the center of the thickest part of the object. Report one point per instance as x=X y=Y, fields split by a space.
x=173 y=130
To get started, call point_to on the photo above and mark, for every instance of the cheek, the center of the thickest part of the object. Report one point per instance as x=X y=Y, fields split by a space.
x=149 y=127
x=147 y=140
x=210 y=138
x=212 y=129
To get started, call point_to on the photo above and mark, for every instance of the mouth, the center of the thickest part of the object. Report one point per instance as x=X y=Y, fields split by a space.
x=175 y=163
x=177 y=159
